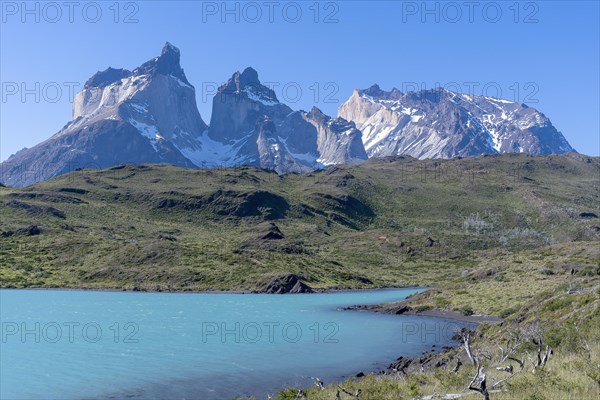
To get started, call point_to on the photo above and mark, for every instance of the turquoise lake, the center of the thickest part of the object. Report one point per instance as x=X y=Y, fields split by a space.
x=95 y=345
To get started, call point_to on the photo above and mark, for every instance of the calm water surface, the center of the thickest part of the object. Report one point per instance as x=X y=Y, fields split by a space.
x=79 y=344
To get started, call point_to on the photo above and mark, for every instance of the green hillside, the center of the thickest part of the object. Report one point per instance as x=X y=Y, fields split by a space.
x=387 y=222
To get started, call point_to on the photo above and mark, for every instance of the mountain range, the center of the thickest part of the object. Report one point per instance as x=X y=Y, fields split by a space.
x=149 y=115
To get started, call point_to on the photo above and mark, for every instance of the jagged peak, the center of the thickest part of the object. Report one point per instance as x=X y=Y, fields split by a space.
x=168 y=63
x=247 y=82
x=241 y=80
x=249 y=77
x=169 y=48
x=338 y=124
x=373 y=89
x=108 y=76
x=376 y=92
x=317 y=115
x=316 y=112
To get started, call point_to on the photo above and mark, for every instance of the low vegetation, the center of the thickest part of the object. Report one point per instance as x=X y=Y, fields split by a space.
x=558 y=317
x=388 y=222
x=512 y=236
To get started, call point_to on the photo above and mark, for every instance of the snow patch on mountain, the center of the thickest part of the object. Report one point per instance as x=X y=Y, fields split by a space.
x=443 y=124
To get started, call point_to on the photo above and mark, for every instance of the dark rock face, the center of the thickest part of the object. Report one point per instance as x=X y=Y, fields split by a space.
x=166 y=64
x=344 y=204
x=273 y=233
x=106 y=77
x=268 y=237
x=53 y=198
x=253 y=204
x=401 y=364
x=286 y=284
x=444 y=124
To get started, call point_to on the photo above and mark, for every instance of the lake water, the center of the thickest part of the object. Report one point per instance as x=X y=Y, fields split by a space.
x=83 y=344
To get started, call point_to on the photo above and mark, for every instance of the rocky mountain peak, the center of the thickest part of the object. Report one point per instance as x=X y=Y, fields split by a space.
x=248 y=78
x=149 y=115
x=376 y=92
x=168 y=63
x=247 y=85
x=373 y=90
x=265 y=125
x=439 y=123
x=108 y=76
x=169 y=49
x=317 y=115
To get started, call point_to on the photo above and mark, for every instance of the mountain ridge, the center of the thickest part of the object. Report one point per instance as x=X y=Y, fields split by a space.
x=438 y=123
x=149 y=115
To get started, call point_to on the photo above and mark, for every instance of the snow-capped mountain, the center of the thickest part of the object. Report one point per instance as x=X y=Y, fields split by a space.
x=148 y=115
x=443 y=124
x=254 y=128
x=338 y=141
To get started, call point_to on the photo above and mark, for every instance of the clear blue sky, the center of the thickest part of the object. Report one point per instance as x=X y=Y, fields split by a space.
x=549 y=50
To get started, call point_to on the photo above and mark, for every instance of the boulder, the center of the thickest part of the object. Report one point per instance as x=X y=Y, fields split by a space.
x=289 y=283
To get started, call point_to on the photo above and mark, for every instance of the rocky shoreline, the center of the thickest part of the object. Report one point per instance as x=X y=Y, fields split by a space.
x=436 y=358
x=402 y=308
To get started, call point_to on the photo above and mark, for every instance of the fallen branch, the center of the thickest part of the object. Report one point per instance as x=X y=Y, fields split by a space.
x=451 y=396
x=355 y=394
x=457 y=366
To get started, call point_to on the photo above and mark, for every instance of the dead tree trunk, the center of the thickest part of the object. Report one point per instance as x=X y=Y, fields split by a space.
x=482 y=387
x=467 y=341
x=541 y=358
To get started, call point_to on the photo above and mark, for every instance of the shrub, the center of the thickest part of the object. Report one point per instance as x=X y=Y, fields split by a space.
x=557 y=304
x=508 y=311
x=423 y=307
x=442 y=302
x=466 y=310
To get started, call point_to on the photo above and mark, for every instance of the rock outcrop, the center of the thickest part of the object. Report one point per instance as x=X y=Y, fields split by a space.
x=289 y=283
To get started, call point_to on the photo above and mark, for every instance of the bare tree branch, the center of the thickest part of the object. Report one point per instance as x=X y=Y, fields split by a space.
x=521 y=362
x=467 y=341
x=482 y=379
x=319 y=383
x=355 y=394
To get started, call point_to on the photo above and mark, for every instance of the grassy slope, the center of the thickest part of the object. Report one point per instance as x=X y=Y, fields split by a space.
x=174 y=229
x=508 y=231
x=532 y=292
